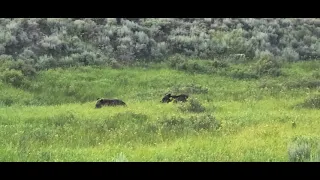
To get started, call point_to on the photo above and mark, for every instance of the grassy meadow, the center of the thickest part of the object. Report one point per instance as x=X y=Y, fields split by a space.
x=52 y=118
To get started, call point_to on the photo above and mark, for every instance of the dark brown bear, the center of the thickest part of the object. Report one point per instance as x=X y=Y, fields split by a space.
x=166 y=99
x=109 y=102
x=181 y=97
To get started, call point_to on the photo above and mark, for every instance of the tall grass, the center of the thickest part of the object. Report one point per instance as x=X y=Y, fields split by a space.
x=226 y=119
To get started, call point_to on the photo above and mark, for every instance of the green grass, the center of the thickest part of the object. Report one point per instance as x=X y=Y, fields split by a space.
x=243 y=120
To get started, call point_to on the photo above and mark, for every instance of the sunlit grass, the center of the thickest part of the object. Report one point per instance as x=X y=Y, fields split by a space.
x=55 y=119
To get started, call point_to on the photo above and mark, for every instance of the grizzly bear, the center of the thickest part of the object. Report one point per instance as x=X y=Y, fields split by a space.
x=166 y=99
x=109 y=102
x=181 y=97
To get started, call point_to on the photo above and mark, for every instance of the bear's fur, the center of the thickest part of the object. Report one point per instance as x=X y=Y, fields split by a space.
x=181 y=97
x=109 y=102
x=166 y=99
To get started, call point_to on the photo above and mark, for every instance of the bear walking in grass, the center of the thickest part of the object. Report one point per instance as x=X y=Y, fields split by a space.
x=168 y=98
x=109 y=102
x=181 y=98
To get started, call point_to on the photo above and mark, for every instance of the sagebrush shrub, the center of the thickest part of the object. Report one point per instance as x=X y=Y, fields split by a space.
x=195 y=122
x=192 y=105
x=120 y=158
x=243 y=73
x=176 y=60
x=311 y=102
x=290 y=55
x=299 y=150
x=303 y=83
x=205 y=122
x=189 y=89
x=26 y=69
x=13 y=77
x=268 y=65
x=155 y=39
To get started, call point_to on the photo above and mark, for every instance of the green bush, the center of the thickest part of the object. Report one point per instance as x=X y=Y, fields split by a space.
x=303 y=83
x=189 y=89
x=177 y=61
x=219 y=64
x=14 y=77
x=192 y=105
x=268 y=65
x=299 y=150
x=243 y=73
x=47 y=43
x=195 y=123
x=311 y=102
x=182 y=63
x=115 y=64
x=120 y=158
x=26 y=69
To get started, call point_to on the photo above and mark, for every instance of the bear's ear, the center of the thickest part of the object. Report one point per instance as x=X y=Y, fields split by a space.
x=98 y=99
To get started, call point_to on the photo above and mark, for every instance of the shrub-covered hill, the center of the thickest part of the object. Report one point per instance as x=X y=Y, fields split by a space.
x=59 y=42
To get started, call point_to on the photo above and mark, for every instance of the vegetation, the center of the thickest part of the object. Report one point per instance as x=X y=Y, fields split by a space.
x=253 y=87
x=62 y=42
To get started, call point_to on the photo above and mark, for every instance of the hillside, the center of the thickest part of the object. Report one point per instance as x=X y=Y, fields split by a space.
x=253 y=87
x=62 y=42
x=225 y=119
